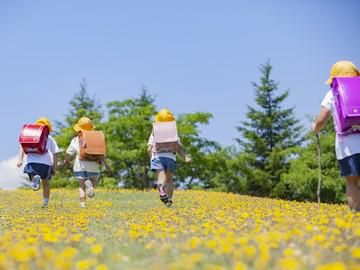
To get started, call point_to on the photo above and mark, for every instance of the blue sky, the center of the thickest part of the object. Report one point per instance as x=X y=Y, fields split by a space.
x=193 y=55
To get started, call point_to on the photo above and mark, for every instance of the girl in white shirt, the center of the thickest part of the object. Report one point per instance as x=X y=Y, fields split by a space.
x=40 y=167
x=347 y=147
x=164 y=163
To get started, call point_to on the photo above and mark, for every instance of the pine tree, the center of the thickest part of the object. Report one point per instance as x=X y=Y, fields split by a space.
x=267 y=134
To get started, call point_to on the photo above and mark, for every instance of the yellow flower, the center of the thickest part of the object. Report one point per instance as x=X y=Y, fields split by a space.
x=355 y=253
x=96 y=249
x=85 y=264
x=332 y=266
x=288 y=264
x=69 y=253
x=101 y=267
x=240 y=266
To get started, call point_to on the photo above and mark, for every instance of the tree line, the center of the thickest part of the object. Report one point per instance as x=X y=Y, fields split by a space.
x=274 y=155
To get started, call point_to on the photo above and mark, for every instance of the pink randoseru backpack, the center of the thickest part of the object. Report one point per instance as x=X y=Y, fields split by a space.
x=33 y=138
x=165 y=137
x=346 y=92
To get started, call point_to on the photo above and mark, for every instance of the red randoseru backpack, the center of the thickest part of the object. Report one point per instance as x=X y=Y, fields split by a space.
x=33 y=138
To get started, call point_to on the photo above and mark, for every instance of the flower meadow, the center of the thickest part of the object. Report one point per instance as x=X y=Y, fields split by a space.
x=130 y=229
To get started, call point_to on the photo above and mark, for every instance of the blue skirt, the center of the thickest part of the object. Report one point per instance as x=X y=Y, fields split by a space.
x=350 y=166
x=43 y=170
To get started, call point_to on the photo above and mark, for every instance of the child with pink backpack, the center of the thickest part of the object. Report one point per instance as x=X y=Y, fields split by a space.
x=163 y=146
x=342 y=102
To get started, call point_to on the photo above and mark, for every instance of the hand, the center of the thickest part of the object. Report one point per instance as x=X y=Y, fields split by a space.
x=188 y=159
x=19 y=164
x=66 y=163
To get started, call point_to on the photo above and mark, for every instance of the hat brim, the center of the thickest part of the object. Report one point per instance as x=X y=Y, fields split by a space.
x=77 y=128
x=329 y=81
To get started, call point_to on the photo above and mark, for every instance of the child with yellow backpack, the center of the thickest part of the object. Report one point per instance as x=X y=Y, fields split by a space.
x=89 y=150
x=163 y=145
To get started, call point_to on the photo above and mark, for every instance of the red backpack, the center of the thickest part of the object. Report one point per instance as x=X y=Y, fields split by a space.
x=33 y=138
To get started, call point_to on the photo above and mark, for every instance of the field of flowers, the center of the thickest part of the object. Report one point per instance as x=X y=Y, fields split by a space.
x=202 y=230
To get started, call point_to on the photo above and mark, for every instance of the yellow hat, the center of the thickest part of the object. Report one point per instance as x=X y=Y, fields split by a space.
x=164 y=115
x=84 y=123
x=342 y=69
x=44 y=121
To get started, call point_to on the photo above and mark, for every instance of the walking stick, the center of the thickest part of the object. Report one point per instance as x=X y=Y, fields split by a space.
x=319 y=165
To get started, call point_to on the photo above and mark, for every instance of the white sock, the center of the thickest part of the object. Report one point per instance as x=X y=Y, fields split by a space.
x=45 y=200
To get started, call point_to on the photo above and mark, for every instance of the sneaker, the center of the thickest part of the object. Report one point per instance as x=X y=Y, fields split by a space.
x=44 y=205
x=89 y=188
x=36 y=182
x=162 y=193
x=82 y=204
x=169 y=203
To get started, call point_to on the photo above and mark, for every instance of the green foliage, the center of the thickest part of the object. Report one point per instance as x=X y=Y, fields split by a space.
x=199 y=148
x=127 y=132
x=108 y=183
x=300 y=183
x=267 y=135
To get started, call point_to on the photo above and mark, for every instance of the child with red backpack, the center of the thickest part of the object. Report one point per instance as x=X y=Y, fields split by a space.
x=342 y=102
x=42 y=155
x=89 y=149
x=163 y=146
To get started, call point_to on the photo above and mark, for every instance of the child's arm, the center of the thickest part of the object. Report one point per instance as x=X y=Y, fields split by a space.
x=106 y=165
x=321 y=120
x=55 y=160
x=21 y=157
x=182 y=153
x=67 y=159
x=149 y=150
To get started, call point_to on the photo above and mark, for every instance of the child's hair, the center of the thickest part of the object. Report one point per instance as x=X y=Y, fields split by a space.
x=342 y=69
x=44 y=121
x=164 y=115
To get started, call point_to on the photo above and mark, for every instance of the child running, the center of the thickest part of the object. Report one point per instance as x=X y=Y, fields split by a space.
x=86 y=170
x=347 y=147
x=40 y=167
x=163 y=159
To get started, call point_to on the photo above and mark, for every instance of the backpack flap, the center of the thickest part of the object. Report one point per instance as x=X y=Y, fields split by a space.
x=92 y=145
x=346 y=92
x=33 y=138
x=165 y=137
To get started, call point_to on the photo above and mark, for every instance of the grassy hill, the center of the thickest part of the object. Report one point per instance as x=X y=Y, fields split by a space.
x=130 y=229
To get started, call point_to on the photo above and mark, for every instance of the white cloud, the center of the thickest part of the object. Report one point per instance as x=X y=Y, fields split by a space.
x=11 y=177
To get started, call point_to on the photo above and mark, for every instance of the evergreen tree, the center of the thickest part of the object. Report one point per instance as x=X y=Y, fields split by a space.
x=268 y=134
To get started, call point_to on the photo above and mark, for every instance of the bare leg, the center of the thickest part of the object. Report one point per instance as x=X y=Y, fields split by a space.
x=82 y=190
x=353 y=192
x=46 y=191
x=161 y=182
x=169 y=184
x=161 y=177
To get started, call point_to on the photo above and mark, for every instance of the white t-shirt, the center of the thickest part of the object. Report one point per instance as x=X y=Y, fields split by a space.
x=345 y=146
x=171 y=155
x=47 y=157
x=81 y=165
